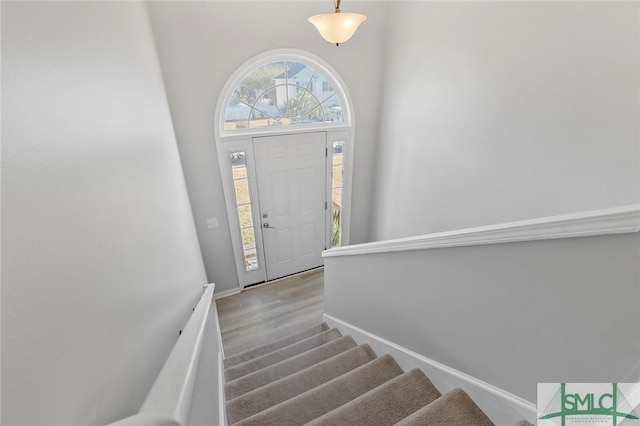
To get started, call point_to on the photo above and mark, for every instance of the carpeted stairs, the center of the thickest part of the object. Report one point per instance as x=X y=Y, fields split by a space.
x=320 y=377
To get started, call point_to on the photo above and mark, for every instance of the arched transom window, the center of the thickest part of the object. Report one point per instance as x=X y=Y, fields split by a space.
x=282 y=93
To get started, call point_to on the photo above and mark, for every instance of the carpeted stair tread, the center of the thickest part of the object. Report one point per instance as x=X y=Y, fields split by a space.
x=452 y=409
x=327 y=397
x=281 y=354
x=385 y=405
x=288 y=387
x=244 y=384
x=275 y=345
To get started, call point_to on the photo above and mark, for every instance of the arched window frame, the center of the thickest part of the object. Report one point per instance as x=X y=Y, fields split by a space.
x=240 y=140
x=276 y=56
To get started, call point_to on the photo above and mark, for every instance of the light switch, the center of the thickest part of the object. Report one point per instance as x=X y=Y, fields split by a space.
x=212 y=222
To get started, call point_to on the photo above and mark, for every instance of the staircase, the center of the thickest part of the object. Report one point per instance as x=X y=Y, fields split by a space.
x=320 y=377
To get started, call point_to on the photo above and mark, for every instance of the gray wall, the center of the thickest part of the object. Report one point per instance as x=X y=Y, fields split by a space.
x=512 y=314
x=101 y=264
x=200 y=44
x=501 y=111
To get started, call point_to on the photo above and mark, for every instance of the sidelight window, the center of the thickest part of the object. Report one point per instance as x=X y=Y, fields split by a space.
x=336 y=193
x=243 y=206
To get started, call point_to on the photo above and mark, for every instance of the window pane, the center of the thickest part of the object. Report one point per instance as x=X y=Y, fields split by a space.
x=332 y=108
x=266 y=107
x=243 y=203
x=338 y=154
x=336 y=197
x=282 y=93
x=244 y=214
x=301 y=102
x=242 y=191
x=312 y=114
x=337 y=176
x=239 y=172
x=247 y=91
x=336 y=193
x=336 y=228
x=258 y=119
x=248 y=238
x=338 y=160
x=269 y=73
x=250 y=260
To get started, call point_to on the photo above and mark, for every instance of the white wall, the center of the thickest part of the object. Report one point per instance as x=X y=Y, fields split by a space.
x=512 y=315
x=205 y=408
x=101 y=264
x=200 y=44
x=501 y=111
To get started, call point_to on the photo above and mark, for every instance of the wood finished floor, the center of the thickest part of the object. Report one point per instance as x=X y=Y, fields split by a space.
x=271 y=311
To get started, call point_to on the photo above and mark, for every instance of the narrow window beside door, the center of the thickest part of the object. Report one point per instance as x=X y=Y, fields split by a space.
x=336 y=193
x=243 y=204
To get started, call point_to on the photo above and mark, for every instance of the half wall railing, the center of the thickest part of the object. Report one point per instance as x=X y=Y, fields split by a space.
x=497 y=309
x=168 y=403
x=616 y=220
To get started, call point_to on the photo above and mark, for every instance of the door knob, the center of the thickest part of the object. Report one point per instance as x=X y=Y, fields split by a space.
x=267 y=226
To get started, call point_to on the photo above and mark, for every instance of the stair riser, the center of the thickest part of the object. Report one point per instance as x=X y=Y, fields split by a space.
x=262 y=350
x=329 y=396
x=385 y=405
x=336 y=383
x=291 y=386
x=283 y=369
x=281 y=354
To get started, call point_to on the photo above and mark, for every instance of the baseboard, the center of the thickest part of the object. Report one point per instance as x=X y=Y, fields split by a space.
x=227 y=293
x=502 y=407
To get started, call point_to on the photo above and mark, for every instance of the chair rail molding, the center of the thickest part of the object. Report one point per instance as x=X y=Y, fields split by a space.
x=615 y=220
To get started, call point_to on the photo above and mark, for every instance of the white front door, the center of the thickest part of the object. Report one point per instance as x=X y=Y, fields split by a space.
x=291 y=181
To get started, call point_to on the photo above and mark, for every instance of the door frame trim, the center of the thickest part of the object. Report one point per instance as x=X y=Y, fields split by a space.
x=226 y=143
x=245 y=143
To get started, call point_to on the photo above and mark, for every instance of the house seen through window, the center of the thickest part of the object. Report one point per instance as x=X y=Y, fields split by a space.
x=282 y=93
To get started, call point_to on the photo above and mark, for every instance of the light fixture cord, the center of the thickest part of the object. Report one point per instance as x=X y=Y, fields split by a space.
x=336 y=3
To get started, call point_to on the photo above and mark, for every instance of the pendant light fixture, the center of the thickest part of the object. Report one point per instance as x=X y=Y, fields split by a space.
x=337 y=27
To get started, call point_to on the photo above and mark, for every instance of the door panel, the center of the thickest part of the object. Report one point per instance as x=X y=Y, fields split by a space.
x=291 y=182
